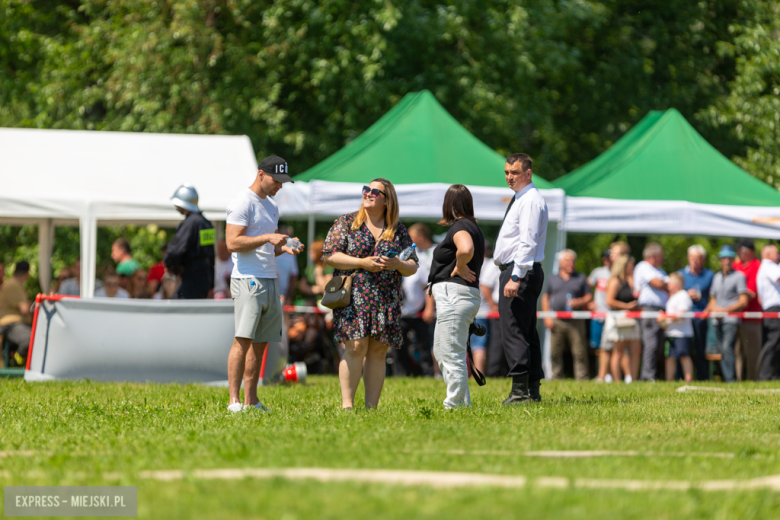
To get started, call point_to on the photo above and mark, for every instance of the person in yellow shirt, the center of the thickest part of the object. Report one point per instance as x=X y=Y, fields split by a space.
x=15 y=315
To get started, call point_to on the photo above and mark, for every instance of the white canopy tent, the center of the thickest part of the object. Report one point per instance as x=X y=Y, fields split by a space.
x=63 y=177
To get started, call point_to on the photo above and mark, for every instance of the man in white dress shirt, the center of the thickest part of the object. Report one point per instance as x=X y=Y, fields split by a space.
x=518 y=254
x=650 y=282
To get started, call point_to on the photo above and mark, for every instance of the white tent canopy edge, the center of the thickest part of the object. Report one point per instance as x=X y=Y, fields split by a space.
x=601 y=215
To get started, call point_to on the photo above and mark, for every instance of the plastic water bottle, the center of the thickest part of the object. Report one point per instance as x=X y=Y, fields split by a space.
x=568 y=299
x=407 y=253
x=293 y=243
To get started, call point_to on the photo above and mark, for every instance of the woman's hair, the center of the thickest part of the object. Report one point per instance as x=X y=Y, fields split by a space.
x=391 y=212
x=619 y=267
x=622 y=248
x=457 y=204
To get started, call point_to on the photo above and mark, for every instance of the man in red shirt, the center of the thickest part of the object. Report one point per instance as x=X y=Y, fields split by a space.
x=749 y=338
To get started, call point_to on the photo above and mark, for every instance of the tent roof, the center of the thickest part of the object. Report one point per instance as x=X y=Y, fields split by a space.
x=664 y=158
x=416 y=142
x=118 y=176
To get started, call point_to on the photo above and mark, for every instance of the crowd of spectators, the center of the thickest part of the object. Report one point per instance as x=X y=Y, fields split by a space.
x=617 y=347
x=610 y=349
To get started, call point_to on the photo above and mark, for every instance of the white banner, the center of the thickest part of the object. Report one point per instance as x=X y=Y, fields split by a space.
x=182 y=341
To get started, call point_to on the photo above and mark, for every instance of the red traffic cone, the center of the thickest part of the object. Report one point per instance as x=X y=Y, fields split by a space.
x=294 y=373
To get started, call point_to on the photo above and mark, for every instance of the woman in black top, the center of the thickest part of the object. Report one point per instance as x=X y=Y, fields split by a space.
x=457 y=262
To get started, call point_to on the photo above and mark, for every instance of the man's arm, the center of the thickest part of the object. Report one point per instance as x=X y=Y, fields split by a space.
x=548 y=322
x=579 y=303
x=291 y=289
x=24 y=309
x=238 y=242
x=658 y=283
x=487 y=294
x=740 y=305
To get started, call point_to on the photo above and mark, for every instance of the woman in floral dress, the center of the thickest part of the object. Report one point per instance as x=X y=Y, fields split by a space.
x=357 y=243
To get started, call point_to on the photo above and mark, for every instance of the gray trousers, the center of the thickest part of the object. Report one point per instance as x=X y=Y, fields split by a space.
x=18 y=334
x=653 y=337
x=456 y=309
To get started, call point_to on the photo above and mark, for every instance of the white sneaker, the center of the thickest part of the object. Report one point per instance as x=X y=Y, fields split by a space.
x=235 y=407
x=628 y=379
x=259 y=406
x=608 y=378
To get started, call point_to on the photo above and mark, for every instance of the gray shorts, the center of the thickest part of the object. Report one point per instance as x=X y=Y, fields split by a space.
x=257 y=308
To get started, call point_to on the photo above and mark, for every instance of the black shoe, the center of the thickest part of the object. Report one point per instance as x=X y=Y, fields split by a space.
x=477 y=329
x=520 y=393
x=533 y=388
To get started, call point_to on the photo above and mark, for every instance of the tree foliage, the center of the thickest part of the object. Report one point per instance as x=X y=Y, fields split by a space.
x=559 y=79
x=751 y=110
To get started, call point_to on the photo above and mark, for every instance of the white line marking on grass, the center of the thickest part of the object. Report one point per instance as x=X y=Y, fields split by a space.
x=575 y=454
x=553 y=482
x=437 y=479
x=21 y=453
x=690 y=388
x=440 y=479
x=633 y=485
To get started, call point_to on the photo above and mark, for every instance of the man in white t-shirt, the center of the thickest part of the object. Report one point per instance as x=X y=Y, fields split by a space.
x=650 y=282
x=768 y=285
x=253 y=240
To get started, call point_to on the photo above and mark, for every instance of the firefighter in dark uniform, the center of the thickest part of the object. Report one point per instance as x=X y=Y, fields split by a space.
x=191 y=250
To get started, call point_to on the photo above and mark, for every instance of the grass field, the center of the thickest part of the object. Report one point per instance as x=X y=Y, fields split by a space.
x=90 y=433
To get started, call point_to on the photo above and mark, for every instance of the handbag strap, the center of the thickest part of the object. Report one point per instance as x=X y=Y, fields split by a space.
x=479 y=377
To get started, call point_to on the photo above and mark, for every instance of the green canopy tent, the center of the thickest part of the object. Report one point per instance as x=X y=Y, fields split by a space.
x=422 y=150
x=663 y=177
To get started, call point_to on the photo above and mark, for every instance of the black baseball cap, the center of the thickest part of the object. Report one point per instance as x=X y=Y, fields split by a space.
x=746 y=242
x=276 y=167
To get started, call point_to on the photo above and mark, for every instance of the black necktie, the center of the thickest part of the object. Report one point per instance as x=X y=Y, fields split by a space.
x=507 y=209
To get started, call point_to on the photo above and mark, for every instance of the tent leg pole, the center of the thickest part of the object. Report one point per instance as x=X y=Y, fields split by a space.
x=88 y=246
x=45 y=243
x=310 y=237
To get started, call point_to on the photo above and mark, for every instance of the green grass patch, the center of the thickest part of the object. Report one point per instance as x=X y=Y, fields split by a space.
x=82 y=431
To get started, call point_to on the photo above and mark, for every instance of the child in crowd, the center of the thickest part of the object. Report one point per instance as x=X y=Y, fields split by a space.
x=679 y=331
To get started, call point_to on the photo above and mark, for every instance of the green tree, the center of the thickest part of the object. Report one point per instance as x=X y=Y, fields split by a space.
x=751 y=110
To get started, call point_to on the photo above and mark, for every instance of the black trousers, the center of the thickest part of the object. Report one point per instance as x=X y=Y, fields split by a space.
x=496 y=361
x=770 y=352
x=699 y=351
x=194 y=289
x=522 y=347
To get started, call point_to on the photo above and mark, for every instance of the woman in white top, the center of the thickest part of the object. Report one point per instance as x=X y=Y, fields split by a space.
x=624 y=333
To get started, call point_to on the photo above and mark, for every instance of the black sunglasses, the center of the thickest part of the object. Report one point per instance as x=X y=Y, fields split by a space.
x=373 y=191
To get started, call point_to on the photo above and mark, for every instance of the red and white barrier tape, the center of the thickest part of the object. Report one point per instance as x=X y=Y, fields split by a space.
x=588 y=315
